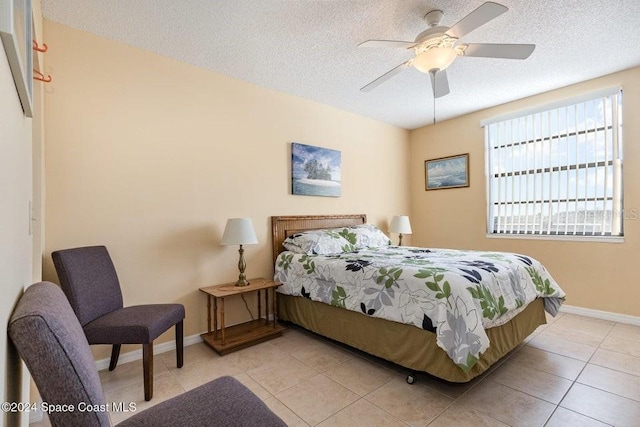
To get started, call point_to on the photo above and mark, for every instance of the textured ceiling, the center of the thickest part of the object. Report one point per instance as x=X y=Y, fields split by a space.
x=309 y=47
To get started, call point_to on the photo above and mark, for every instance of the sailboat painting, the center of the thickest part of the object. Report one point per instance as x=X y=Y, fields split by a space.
x=315 y=171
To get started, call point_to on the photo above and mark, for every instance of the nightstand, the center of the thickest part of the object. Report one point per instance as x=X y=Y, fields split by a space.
x=225 y=340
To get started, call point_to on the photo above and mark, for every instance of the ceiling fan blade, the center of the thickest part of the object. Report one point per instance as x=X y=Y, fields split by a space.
x=387 y=43
x=507 y=51
x=439 y=83
x=483 y=14
x=386 y=76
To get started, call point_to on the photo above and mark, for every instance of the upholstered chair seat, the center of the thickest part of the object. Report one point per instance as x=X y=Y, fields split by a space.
x=134 y=325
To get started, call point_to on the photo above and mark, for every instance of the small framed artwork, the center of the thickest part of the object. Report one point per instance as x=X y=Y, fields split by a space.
x=16 y=31
x=315 y=171
x=447 y=172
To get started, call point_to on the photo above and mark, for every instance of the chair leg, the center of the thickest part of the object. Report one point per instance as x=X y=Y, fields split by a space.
x=147 y=368
x=179 y=344
x=115 y=353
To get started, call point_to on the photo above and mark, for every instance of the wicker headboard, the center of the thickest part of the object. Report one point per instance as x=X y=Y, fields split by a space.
x=284 y=226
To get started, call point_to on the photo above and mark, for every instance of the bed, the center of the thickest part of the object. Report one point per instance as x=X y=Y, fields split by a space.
x=421 y=335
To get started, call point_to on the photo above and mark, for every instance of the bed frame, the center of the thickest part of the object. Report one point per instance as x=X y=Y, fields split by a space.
x=405 y=345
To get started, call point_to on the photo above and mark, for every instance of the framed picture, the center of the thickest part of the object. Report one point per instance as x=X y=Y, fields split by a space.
x=447 y=172
x=16 y=31
x=315 y=171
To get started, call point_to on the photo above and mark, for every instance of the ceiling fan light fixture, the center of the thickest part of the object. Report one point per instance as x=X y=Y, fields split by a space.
x=436 y=58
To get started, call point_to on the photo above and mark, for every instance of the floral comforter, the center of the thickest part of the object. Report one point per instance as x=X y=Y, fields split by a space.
x=461 y=293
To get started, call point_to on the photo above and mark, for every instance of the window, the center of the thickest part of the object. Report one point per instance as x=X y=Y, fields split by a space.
x=557 y=170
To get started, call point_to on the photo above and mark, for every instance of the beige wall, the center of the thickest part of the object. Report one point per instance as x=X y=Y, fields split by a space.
x=16 y=191
x=150 y=157
x=599 y=276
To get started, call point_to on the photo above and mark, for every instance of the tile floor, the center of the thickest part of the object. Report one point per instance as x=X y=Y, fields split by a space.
x=575 y=371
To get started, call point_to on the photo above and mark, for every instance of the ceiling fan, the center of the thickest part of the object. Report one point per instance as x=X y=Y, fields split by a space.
x=437 y=47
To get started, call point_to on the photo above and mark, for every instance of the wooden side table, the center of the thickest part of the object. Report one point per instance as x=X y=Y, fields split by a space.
x=225 y=340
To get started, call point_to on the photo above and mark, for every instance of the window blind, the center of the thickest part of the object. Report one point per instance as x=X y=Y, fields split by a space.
x=557 y=171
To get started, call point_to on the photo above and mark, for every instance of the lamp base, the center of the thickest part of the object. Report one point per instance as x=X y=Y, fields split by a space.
x=242 y=265
x=242 y=282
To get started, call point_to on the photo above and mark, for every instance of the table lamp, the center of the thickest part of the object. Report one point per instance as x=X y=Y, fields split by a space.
x=400 y=224
x=239 y=231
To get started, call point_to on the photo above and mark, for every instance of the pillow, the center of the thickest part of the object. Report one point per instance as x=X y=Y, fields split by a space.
x=320 y=242
x=364 y=236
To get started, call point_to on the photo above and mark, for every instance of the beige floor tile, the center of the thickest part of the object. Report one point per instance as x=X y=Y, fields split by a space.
x=256 y=388
x=621 y=345
x=317 y=398
x=507 y=405
x=282 y=374
x=463 y=416
x=605 y=407
x=629 y=332
x=554 y=344
x=590 y=333
x=362 y=413
x=620 y=383
x=200 y=371
x=584 y=320
x=452 y=390
x=527 y=379
x=293 y=339
x=286 y=414
x=551 y=363
x=415 y=404
x=165 y=387
x=359 y=375
x=618 y=361
x=127 y=374
x=320 y=355
x=192 y=353
x=257 y=355
x=565 y=418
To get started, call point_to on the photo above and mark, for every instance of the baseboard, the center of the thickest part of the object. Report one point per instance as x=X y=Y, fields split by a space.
x=599 y=314
x=157 y=349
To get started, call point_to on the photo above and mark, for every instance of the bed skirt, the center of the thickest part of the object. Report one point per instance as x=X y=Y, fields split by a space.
x=406 y=345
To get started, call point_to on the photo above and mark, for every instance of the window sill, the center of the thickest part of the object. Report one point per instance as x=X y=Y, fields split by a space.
x=590 y=239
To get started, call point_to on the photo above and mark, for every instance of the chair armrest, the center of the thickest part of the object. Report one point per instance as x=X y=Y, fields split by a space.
x=222 y=402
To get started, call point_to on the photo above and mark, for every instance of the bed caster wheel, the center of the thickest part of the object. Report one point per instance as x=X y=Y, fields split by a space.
x=411 y=378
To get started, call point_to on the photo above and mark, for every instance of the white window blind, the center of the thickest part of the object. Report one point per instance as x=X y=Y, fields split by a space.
x=557 y=171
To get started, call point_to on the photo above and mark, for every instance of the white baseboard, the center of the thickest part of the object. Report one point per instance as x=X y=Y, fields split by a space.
x=157 y=349
x=598 y=314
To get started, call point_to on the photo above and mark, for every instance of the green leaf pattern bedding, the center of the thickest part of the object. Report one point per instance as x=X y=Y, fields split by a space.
x=460 y=292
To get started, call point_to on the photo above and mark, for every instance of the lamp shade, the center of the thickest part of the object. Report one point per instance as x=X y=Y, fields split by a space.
x=400 y=224
x=239 y=231
x=437 y=58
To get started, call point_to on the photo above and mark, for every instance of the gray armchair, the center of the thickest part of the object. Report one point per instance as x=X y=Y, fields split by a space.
x=50 y=340
x=89 y=280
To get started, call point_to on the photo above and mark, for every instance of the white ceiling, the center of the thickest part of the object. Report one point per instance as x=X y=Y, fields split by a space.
x=309 y=47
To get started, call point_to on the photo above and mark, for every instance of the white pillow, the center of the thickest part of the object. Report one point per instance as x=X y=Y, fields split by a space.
x=364 y=236
x=320 y=242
